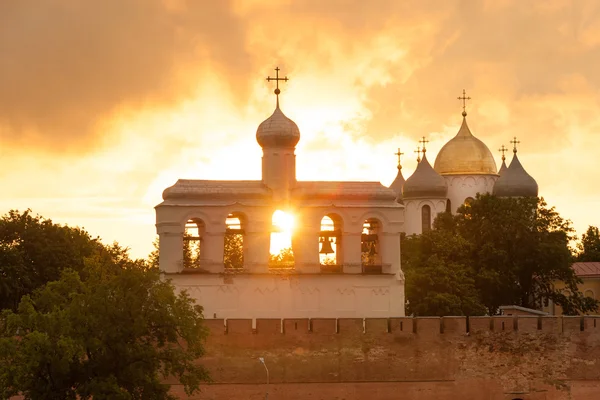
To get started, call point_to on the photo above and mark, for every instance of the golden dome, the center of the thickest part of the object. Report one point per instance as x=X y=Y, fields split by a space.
x=464 y=154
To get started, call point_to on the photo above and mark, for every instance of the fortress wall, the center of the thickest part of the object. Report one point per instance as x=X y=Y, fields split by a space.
x=529 y=358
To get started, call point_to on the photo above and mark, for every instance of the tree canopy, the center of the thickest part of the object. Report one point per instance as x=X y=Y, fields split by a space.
x=589 y=247
x=114 y=330
x=34 y=250
x=493 y=252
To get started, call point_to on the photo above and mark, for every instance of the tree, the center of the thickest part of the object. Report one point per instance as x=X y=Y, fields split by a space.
x=519 y=250
x=34 y=250
x=233 y=251
x=439 y=278
x=113 y=331
x=284 y=259
x=589 y=247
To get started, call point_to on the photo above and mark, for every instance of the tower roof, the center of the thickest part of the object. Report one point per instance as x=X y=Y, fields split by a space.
x=425 y=182
x=278 y=131
x=464 y=154
x=515 y=181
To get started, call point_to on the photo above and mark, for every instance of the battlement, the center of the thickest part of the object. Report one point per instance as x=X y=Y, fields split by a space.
x=418 y=326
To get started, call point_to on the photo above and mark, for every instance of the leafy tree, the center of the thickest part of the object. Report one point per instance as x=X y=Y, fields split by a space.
x=519 y=250
x=233 y=251
x=34 y=251
x=589 y=247
x=439 y=277
x=113 y=331
x=285 y=258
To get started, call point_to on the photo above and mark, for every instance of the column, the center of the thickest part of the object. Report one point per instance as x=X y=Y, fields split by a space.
x=170 y=245
x=306 y=248
x=211 y=251
x=257 y=240
x=352 y=252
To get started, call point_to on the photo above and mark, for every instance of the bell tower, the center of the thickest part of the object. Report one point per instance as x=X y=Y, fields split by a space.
x=278 y=136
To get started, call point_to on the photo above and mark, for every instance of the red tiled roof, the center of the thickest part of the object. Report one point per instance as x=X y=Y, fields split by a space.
x=587 y=268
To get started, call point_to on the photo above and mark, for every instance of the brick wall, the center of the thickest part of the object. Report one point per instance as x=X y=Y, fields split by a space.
x=492 y=358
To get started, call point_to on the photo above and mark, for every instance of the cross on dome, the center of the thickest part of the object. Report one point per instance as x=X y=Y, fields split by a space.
x=503 y=150
x=464 y=99
x=515 y=142
x=418 y=151
x=424 y=141
x=399 y=154
x=277 y=79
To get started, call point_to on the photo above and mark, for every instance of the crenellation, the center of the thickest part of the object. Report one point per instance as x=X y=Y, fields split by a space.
x=402 y=326
x=591 y=324
x=296 y=326
x=428 y=326
x=323 y=326
x=572 y=324
x=351 y=326
x=268 y=326
x=551 y=324
x=454 y=326
x=216 y=327
x=376 y=326
x=480 y=325
x=503 y=324
x=527 y=323
x=238 y=326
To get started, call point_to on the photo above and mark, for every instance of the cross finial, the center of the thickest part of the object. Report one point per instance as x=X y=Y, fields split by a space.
x=277 y=79
x=424 y=141
x=503 y=150
x=399 y=154
x=515 y=142
x=418 y=151
x=464 y=99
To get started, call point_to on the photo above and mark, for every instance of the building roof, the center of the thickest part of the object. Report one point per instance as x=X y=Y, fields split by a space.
x=335 y=190
x=464 y=154
x=587 y=269
x=206 y=189
x=515 y=182
x=398 y=183
x=425 y=182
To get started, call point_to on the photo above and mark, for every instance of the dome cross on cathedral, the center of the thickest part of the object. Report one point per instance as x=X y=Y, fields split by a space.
x=503 y=150
x=515 y=142
x=277 y=79
x=424 y=141
x=418 y=151
x=464 y=99
x=399 y=154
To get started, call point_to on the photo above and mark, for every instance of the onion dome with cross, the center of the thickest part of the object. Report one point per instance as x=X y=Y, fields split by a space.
x=465 y=154
x=424 y=182
x=278 y=130
x=515 y=181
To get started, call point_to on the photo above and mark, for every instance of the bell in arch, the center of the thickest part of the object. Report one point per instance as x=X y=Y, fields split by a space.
x=373 y=249
x=326 y=246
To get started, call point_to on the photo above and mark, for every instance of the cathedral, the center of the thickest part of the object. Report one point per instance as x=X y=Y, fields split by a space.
x=216 y=238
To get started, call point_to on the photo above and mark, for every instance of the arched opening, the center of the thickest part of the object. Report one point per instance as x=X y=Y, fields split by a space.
x=193 y=235
x=468 y=201
x=370 y=246
x=425 y=218
x=330 y=243
x=233 y=243
x=589 y=293
x=282 y=255
x=448 y=206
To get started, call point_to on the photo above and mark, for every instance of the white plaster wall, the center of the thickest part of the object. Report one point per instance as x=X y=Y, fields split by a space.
x=295 y=296
x=460 y=187
x=412 y=217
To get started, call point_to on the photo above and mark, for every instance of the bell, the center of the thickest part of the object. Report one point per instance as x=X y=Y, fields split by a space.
x=326 y=247
x=373 y=249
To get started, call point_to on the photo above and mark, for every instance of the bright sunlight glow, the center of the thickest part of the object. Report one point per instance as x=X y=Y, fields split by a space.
x=281 y=237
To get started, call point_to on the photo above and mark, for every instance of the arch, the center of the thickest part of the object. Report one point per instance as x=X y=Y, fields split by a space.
x=193 y=238
x=370 y=244
x=282 y=254
x=234 y=246
x=331 y=238
x=375 y=215
x=425 y=218
x=448 y=206
x=468 y=201
x=193 y=215
x=589 y=293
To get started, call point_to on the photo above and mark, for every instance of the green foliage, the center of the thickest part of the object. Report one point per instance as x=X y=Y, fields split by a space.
x=34 y=250
x=112 y=331
x=589 y=247
x=285 y=259
x=233 y=251
x=495 y=251
x=439 y=277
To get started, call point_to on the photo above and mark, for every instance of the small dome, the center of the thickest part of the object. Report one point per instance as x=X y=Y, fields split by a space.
x=503 y=167
x=515 y=182
x=398 y=183
x=278 y=131
x=425 y=182
x=464 y=154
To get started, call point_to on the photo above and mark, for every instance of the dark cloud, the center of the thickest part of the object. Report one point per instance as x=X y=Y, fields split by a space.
x=66 y=64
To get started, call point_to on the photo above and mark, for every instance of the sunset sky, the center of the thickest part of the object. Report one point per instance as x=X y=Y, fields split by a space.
x=104 y=104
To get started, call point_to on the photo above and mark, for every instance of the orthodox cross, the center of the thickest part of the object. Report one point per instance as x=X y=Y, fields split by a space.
x=418 y=151
x=503 y=150
x=464 y=99
x=277 y=79
x=424 y=142
x=399 y=154
x=515 y=142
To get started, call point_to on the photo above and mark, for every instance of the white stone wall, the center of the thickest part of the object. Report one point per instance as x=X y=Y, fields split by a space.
x=295 y=296
x=412 y=218
x=461 y=187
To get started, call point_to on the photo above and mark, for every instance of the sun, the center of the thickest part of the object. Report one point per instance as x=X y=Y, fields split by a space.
x=283 y=226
